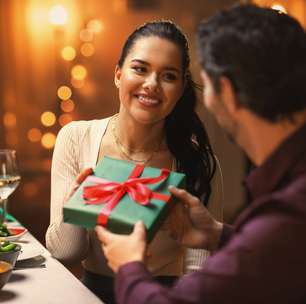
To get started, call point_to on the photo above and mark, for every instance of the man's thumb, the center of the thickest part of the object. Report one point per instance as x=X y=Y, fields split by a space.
x=139 y=230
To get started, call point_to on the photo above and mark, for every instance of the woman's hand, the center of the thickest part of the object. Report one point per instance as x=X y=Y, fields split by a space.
x=79 y=179
x=122 y=249
x=197 y=229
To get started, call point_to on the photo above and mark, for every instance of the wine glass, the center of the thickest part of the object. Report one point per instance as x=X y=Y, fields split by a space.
x=9 y=178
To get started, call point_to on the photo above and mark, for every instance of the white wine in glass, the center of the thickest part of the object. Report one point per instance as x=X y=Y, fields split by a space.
x=9 y=178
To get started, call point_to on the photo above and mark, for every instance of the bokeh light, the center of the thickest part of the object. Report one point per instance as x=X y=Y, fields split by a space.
x=78 y=84
x=48 y=119
x=58 y=15
x=79 y=72
x=34 y=135
x=67 y=106
x=95 y=25
x=87 y=49
x=86 y=35
x=64 y=92
x=64 y=119
x=9 y=120
x=68 y=53
x=48 y=140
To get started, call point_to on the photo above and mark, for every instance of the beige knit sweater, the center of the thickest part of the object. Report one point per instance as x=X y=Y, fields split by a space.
x=77 y=148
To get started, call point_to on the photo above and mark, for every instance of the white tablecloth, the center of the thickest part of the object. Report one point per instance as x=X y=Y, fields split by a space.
x=53 y=284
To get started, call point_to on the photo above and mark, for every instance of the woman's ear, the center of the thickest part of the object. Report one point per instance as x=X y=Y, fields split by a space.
x=117 y=76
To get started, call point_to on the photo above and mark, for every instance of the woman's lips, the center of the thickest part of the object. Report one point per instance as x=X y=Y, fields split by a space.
x=148 y=100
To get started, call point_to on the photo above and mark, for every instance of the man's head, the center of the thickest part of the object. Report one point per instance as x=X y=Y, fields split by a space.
x=261 y=54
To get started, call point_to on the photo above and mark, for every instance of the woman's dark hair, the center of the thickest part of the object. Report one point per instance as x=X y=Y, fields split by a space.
x=263 y=53
x=186 y=135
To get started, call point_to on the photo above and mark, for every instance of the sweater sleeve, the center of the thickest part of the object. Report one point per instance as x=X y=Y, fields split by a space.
x=66 y=242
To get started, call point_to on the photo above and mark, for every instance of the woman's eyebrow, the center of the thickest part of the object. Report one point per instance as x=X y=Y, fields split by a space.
x=140 y=61
x=168 y=68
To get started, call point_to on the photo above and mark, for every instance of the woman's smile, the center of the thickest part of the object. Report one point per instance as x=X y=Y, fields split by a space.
x=148 y=101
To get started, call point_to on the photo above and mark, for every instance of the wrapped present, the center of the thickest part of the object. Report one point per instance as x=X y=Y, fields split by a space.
x=119 y=193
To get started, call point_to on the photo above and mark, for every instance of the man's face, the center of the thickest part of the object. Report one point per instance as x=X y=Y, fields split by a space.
x=215 y=103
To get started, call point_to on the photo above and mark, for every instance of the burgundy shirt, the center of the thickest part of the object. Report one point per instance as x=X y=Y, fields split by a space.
x=262 y=260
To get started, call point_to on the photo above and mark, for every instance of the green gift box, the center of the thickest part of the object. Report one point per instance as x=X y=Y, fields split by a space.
x=117 y=192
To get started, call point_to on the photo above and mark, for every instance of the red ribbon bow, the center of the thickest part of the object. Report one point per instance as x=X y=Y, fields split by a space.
x=110 y=192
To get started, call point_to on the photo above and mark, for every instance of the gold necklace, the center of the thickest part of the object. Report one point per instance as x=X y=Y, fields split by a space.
x=125 y=151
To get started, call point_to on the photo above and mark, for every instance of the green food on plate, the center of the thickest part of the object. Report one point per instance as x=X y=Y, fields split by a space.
x=4 y=231
x=6 y=246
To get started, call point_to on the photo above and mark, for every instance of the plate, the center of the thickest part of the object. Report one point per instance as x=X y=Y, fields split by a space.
x=17 y=233
x=28 y=253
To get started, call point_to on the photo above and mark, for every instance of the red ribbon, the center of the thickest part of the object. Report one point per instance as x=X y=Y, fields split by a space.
x=110 y=192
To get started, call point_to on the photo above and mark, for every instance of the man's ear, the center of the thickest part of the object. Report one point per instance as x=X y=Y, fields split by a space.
x=117 y=76
x=228 y=95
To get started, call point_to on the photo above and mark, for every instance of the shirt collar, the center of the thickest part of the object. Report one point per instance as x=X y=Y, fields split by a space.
x=266 y=177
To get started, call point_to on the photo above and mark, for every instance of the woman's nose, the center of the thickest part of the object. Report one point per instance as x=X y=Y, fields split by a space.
x=151 y=82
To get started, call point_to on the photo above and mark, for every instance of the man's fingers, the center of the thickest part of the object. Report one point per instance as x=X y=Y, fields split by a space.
x=104 y=235
x=81 y=177
x=139 y=230
x=184 y=196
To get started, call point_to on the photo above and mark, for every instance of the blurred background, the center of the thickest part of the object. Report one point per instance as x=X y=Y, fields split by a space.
x=57 y=61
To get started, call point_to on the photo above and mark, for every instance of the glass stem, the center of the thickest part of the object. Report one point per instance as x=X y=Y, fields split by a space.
x=3 y=204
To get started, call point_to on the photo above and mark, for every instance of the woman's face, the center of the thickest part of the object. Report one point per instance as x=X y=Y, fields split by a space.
x=151 y=79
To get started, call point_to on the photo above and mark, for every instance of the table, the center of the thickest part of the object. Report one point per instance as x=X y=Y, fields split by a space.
x=53 y=284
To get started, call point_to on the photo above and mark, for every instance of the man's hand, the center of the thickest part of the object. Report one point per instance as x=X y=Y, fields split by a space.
x=122 y=249
x=199 y=229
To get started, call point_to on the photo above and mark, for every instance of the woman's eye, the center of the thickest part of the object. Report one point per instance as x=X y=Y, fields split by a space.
x=139 y=69
x=170 y=77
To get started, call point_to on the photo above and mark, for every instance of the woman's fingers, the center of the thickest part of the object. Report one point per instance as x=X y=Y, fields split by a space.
x=81 y=177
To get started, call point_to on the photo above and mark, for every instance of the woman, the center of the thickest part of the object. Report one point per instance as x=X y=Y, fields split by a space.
x=157 y=126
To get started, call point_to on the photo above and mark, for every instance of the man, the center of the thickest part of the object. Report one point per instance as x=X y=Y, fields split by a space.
x=254 y=71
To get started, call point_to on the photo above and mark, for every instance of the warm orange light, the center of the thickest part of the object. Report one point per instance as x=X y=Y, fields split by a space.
x=48 y=119
x=34 y=135
x=67 y=105
x=30 y=189
x=64 y=92
x=9 y=120
x=95 y=25
x=88 y=90
x=11 y=139
x=58 y=15
x=46 y=164
x=120 y=6
x=87 y=49
x=279 y=8
x=78 y=84
x=86 y=35
x=79 y=72
x=68 y=53
x=64 y=119
x=48 y=140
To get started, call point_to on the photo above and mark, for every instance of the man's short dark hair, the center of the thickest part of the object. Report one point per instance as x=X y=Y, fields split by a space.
x=263 y=53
